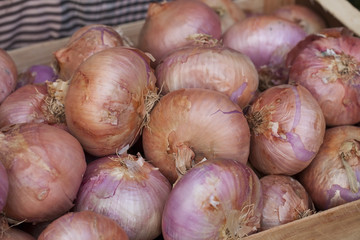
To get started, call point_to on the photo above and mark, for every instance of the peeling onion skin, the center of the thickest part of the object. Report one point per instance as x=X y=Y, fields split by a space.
x=4 y=186
x=45 y=166
x=284 y=200
x=188 y=125
x=8 y=75
x=85 y=225
x=211 y=200
x=326 y=178
x=287 y=128
x=127 y=189
x=105 y=105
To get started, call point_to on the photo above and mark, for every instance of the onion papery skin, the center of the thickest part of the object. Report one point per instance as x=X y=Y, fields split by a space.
x=326 y=179
x=328 y=66
x=284 y=200
x=266 y=39
x=85 y=225
x=45 y=166
x=85 y=42
x=211 y=66
x=8 y=75
x=169 y=24
x=4 y=186
x=288 y=128
x=216 y=199
x=36 y=74
x=127 y=189
x=188 y=125
x=105 y=105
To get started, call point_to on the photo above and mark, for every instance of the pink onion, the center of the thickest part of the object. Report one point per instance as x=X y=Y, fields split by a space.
x=127 y=189
x=266 y=40
x=333 y=177
x=4 y=186
x=109 y=98
x=188 y=125
x=209 y=64
x=36 y=74
x=45 y=166
x=85 y=225
x=287 y=128
x=214 y=200
x=169 y=24
x=8 y=75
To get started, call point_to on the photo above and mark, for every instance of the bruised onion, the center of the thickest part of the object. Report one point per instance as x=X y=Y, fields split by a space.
x=8 y=75
x=287 y=128
x=85 y=225
x=45 y=166
x=188 y=125
x=333 y=177
x=109 y=98
x=127 y=189
x=36 y=74
x=4 y=186
x=214 y=200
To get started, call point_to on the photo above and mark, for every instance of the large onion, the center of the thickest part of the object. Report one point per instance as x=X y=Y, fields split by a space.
x=45 y=166
x=4 y=186
x=189 y=125
x=287 y=128
x=214 y=200
x=8 y=75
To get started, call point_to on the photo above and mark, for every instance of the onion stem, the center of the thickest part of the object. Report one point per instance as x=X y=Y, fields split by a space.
x=350 y=174
x=184 y=159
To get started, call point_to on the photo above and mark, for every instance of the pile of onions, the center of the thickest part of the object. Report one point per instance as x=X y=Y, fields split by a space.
x=266 y=40
x=328 y=64
x=284 y=200
x=169 y=24
x=109 y=98
x=188 y=125
x=287 y=128
x=45 y=166
x=214 y=200
x=85 y=42
x=333 y=177
x=8 y=75
x=85 y=225
x=4 y=186
x=208 y=64
x=127 y=189
x=36 y=74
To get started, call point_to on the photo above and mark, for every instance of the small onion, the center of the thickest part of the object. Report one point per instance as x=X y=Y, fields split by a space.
x=36 y=74
x=284 y=200
x=8 y=75
x=333 y=177
x=128 y=190
x=4 y=186
x=214 y=200
x=85 y=225
x=287 y=128
x=188 y=125
x=45 y=166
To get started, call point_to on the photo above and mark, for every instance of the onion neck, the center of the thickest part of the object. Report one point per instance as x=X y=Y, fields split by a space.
x=54 y=108
x=348 y=151
x=184 y=159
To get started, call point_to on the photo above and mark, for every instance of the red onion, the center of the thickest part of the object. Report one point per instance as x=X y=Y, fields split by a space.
x=109 y=98
x=36 y=74
x=169 y=24
x=209 y=64
x=189 y=125
x=4 y=186
x=85 y=225
x=333 y=177
x=12 y=232
x=284 y=200
x=266 y=40
x=45 y=166
x=128 y=190
x=214 y=200
x=8 y=75
x=327 y=64
x=287 y=128
x=82 y=44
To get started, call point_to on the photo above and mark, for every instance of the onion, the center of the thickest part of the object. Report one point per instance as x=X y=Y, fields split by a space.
x=266 y=40
x=128 y=190
x=214 y=200
x=209 y=64
x=333 y=177
x=4 y=186
x=287 y=128
x=36 y=74
x=284 y=200
x=169 y=24
x=188 y=125
x=8 y=75
x=82 y=44
x=45 y=166
x=12 y=232
x=109 y=98
x=85 y=225
x=327 y=64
